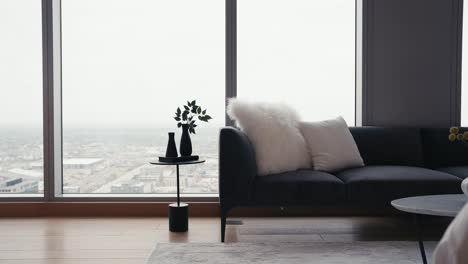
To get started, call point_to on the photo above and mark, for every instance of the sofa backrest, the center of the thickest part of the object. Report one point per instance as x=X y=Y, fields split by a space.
x=439 y=151
x=389 y=146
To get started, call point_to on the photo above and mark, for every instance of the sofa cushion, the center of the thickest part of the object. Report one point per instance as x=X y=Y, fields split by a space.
x=389 y=146
x=331 y=145
x=382 y=184
x=299 y=187
x=440 y=152
x=459 y=171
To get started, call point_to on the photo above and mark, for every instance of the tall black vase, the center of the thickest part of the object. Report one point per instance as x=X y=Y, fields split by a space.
x=185 y=142
x=171 y=151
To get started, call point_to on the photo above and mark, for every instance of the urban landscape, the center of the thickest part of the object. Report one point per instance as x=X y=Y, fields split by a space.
x=108 y=161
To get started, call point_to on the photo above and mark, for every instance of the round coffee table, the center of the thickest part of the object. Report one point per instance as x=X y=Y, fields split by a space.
x=437 y=205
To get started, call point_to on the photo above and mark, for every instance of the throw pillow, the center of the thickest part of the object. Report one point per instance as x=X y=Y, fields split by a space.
x=453 y=247
x=331 y=145
x=273 y=129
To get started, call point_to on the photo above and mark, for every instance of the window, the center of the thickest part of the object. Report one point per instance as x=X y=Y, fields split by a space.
x=114 y=73
x=301 y=52
x=21 y=142
x=126 y=67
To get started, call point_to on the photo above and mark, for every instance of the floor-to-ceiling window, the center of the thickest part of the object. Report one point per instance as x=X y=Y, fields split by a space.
x=127 y=66
x=301 y=52
x=21 y=141
x=115 y=71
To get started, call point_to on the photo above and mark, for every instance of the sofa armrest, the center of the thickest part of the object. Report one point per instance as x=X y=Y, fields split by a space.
x=237 y=168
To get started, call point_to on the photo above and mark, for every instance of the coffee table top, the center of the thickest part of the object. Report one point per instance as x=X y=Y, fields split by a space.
x=439 y=205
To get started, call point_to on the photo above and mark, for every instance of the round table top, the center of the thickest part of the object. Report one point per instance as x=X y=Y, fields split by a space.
x=178 y=163
x=439 y=205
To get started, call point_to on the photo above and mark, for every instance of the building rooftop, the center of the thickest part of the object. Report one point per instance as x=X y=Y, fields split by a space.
x=30 y=173
x=81 y=161
x=73 y=161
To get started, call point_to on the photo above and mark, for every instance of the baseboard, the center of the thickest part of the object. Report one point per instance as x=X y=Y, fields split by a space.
x=155 y=209
x=99 y=209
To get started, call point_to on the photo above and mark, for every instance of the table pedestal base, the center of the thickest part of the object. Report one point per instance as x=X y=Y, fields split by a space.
x=178 y=217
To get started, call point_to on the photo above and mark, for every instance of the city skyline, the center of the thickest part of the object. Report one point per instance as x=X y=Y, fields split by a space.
x=111 y=162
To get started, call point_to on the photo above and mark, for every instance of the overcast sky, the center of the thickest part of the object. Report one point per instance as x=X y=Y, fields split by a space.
x=133 y=64
x=20 y=62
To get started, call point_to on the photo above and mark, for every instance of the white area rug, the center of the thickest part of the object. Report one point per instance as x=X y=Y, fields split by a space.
x=391 y=252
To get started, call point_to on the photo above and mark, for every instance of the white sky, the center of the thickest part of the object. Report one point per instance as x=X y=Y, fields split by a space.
x=133 y=64
x=20 y=62
x=301 y=52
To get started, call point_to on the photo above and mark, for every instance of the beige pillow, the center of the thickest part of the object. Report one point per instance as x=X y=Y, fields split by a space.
x=331 y=145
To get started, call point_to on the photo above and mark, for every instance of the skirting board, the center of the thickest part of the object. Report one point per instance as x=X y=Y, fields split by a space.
x=155 y=209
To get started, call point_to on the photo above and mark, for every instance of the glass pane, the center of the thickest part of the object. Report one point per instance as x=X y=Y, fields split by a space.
x=21 y=143
x=301 y=52
x=127 y=66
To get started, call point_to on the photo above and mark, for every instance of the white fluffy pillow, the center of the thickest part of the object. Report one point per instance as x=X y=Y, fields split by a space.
x=331 y=145
x=273 y=129
x=453 y=248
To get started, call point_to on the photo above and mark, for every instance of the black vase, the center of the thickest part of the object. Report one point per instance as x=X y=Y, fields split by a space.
x=185 y=142
x=171 y=151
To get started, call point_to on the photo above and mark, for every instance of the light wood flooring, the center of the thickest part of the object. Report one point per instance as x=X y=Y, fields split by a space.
x=130 y=240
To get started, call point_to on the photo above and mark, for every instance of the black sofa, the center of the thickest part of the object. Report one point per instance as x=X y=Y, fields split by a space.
x=400 y=162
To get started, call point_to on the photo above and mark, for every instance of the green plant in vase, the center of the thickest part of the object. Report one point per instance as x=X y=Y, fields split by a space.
x=187 y=119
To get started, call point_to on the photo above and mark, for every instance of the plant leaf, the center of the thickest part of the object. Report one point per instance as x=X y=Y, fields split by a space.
x=179 y=124
x=186 y=108
x=178 y=110
x=177 y=118
x=208 y=117
x=204 y=112
x=194 y=125
x=199 y=110
x=194 y=102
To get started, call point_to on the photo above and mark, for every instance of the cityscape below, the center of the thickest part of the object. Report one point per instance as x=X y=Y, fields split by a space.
x=107 y=161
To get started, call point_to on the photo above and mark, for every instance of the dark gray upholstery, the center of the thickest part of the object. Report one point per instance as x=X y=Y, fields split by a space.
x=299 y=187
x=440 y=152
x=238 y=167
x=389 y=146
x=459 y=171
x=395 y=161
x=382 y=184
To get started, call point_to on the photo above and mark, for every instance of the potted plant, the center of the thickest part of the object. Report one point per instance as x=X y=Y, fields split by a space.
x=186 y=119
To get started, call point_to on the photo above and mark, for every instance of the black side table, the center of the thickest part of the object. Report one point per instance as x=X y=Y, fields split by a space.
x=178 y=212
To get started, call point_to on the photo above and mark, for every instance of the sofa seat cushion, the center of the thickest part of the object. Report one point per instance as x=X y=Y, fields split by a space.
x=299 y=187
x=459 y=171
x=382 y=184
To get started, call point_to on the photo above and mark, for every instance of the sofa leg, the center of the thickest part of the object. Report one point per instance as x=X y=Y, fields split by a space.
x=223 y=227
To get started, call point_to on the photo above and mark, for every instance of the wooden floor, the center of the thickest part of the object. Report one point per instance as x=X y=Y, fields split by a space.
x=130 y=240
